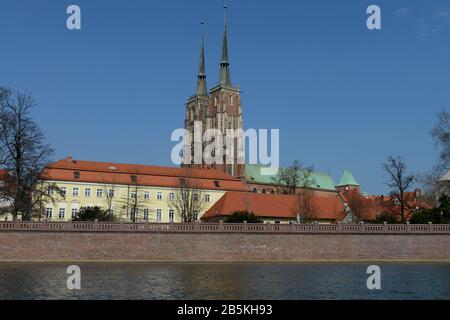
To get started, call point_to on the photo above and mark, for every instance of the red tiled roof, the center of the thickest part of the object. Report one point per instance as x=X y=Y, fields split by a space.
x=119 y=174
x=329 y=207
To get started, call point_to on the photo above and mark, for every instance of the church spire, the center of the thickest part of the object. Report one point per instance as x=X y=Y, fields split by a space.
x=225 y=78
x=201 y=78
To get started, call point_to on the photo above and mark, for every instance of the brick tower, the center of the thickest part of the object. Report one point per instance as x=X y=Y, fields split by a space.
x=221 y=109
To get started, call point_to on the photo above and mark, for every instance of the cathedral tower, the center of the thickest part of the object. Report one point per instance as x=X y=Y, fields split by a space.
x=221 y=109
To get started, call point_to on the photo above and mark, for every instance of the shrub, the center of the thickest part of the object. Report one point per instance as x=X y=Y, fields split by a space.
x=425 y=216
x=93 y=213
x=241 y=216
x=386 y=217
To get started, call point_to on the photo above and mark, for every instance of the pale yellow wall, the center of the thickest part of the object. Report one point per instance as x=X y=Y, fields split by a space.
x=70 y=202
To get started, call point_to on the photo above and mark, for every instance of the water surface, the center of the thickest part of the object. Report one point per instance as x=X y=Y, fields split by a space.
x=225 y=281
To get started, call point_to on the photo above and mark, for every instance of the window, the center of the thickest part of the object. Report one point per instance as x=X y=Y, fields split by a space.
x=171 y=215
x=133 y=194
x=111 y=193
x=207 y=198
x=74 y=213
x=76 y=175
x=87 y=192
x=195 y=216
x=75 y=192
x=63 y=191
x=195 y=197
x=171 y=196
x=146 y=211
x=99 y=193
x=217 y=183
x=215 y=101
x=159 y=215
x=50 y=191
x=146 y=195
x=231 y=101
x=159 y=196
x=49 y=213
x=62 y=213
x=133 y=179
x=133 y=212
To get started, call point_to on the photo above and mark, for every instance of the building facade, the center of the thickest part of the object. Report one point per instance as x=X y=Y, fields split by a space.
x=132 y=193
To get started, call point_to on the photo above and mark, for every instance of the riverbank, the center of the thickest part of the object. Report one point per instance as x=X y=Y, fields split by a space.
x=208 y=243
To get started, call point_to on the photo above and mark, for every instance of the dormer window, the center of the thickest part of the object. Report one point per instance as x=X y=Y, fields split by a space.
x=76 y=174
x=133 y=178
x=217 y=183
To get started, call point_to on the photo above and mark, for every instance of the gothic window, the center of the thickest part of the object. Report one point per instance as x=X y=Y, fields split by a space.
x=231 y=101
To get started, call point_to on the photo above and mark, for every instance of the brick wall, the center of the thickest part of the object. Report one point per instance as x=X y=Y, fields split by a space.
x=69 y=246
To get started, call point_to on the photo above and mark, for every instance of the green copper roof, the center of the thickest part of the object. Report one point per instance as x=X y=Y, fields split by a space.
x=347 y=179
x=321 y=180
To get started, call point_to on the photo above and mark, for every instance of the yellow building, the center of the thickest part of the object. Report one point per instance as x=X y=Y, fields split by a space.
x=136 y=193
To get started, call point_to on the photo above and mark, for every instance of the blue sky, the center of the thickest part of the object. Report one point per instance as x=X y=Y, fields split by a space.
x=341 y=95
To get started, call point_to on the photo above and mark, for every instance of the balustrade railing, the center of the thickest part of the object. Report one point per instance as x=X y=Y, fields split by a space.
x=222 y=227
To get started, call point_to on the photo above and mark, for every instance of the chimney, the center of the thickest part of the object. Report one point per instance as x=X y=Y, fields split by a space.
x=69 y=159
x=417 y=193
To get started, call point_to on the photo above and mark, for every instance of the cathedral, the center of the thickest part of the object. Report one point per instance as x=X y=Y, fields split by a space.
x=219 y=108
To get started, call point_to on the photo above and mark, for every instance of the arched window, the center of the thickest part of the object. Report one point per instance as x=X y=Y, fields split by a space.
x=255 y=190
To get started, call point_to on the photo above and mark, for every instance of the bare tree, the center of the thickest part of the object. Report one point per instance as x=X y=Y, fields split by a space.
x=306 y=209
x=110 y=192
x=428 y=181
x=188 y=200
x=358 y=204
x=23 y=152
x=44 y=193
x=399 y=182
x=441 y=135
x=133 y=201
x=292 y=177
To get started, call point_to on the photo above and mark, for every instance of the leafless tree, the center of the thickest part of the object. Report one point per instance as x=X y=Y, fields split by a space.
x=399 y=182
x=23 y=152
x=110 y=192
x=133 y=201
x=428 y=181
x=441 y=135
x=189 y=199
x=358 y=204
x=306 y=209
x=292 y=177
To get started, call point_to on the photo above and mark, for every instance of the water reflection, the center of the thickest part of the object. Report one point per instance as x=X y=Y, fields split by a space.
x=224 y=281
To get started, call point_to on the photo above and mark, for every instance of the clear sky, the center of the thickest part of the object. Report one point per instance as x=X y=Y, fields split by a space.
x=341 y=95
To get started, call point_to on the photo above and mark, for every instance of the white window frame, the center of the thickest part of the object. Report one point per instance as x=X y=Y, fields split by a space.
x=62 y=213
x=159 y=196
x=207 y=198
x=99 y=193
x=49 y=213
x=146 y=214
x=159 y=215
x=171 y=215
x=146 y=195
x=75 y=192
x=87 y=192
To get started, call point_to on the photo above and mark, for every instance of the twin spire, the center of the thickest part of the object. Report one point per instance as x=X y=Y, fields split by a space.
x=224 y=76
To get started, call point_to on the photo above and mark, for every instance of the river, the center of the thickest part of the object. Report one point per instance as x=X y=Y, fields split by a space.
x=225 y=281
